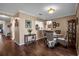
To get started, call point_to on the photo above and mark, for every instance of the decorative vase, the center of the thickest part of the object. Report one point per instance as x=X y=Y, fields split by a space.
x=30 y=30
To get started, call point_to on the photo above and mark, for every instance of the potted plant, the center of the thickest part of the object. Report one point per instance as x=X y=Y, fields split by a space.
x=29 y=30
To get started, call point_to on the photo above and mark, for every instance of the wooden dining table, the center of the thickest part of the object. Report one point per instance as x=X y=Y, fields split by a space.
x=58 y=35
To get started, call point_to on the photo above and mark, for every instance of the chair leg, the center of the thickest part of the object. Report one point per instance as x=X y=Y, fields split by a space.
x=65 y=46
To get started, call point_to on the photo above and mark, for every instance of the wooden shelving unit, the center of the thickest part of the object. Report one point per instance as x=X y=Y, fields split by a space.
x=72 y=33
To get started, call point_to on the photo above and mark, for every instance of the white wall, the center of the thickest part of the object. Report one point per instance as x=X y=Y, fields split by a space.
x=22 y=29
x=15 y=31
x=63 y=24
x=48 y=23
x=13 y=28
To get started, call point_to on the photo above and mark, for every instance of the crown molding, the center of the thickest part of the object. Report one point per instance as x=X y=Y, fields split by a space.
x=6 y=13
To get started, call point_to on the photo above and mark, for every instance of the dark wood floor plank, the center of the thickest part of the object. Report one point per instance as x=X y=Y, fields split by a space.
x=9 y=48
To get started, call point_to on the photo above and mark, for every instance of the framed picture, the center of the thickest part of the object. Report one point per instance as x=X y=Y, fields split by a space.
x=37 y=27
x=49 y=26
x=57 y=24
x=54 y=24
x=28 y=24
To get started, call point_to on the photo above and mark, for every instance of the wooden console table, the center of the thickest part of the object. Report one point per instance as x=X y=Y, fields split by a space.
x=29 y=38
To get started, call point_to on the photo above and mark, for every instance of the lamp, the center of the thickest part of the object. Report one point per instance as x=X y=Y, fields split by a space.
x=51 y=10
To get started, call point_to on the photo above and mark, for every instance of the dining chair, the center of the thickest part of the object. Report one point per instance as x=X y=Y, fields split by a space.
x=51 y=41
x=63 y=40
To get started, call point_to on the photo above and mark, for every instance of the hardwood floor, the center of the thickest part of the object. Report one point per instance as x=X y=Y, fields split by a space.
x=9 y=48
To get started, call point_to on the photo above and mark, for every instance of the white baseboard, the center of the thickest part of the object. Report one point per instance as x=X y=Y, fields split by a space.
x=21 y=44
x=24 y=43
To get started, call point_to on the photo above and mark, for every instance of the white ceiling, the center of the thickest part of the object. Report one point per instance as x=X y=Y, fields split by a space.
x=61 y=9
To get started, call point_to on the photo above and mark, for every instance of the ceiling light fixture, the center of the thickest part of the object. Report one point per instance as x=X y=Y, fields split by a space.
x=51 y=10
